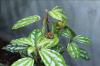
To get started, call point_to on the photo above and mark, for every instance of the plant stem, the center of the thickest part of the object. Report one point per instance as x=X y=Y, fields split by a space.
x=45 y=23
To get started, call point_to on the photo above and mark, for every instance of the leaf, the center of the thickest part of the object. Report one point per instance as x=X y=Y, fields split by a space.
x=24 y=62
x=84 y=54
x=26 y=21
x=75 y=52
x=41 y=41
x=23 y=41
x=57 y=13
x=69 y=33
x=31 y=50
x=51 y=58
x=82 y=39
x=48 y=43
x=15 y=48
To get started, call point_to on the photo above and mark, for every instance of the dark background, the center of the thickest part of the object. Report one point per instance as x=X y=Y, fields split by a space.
x=83 y=17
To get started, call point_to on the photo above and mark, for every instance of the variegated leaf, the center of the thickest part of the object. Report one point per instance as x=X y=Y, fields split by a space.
x=51 y=58
x=31 y=50
x=26 y=21
x=24 y=40
x=69 y=33
x=57 y=13
x=35 y=35
x=48 y=43
x=41 y=41
x=24 y=62
x=75 y=52
x=82 y=39
x=15 y=47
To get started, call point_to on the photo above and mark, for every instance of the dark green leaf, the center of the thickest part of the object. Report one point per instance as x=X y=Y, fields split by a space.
x=15 y=47
x=82 y=39
x=69 y=33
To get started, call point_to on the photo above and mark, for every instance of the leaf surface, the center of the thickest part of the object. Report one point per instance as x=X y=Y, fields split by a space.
x=26 y=21
x=76 y=52
x=24 y=62
x=51 y=58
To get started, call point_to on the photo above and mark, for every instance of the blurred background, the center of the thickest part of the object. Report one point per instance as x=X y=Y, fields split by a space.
x=83 y=17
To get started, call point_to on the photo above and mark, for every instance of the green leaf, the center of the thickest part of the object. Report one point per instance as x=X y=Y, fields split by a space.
x=75 y=52
x=82 y=39
x=57 y=13
x=26 y=21
x=69 y=33
x=31 y=50
x=48 y=43
x=41 y=41
x=15 y=48
x=51 y=58
x=24 y=62
x=23 y=41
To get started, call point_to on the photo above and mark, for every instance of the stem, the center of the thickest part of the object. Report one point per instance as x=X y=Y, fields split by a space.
x=45 y=26
x=45 y=23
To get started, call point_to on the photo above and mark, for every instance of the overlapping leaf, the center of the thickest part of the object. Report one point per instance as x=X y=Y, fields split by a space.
x=68 y=33
x=51 y=58
x=82 y=39
x=75 y=52
x=48 y=43
x=41 y=41
x=23 y=41
x=15 y=48
x=24 y=62
x=26 y=21
x=30 y=50
x=57 y=13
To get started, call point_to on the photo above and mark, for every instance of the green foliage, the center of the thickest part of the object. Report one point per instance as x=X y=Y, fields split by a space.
x=42 y=46
x=69 y=33
x=82 y=39
x=57 y=13
x=23 y=41
x=51 y=58
x=15 y=47
x=26 y=21
x=24 y=62
x=76 y=52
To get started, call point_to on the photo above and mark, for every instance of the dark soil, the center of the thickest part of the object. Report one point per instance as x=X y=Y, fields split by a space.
x=6 y=57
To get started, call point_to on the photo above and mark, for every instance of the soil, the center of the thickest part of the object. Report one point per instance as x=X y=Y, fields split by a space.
x=6 y=57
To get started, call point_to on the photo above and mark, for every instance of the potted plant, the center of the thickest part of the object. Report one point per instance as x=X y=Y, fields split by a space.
x=42 y=46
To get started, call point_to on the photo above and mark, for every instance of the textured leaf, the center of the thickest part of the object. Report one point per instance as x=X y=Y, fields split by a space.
x=24 y=40
x=75 y=52
x=35 y=35
x=48 y=43
x=57 y=13
x=26 y=21
x=15 y=47
x=24 y=62
x=41 y=41
x=51 y=58
x=82 y=39
x=69 y=33
x=30 y=50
